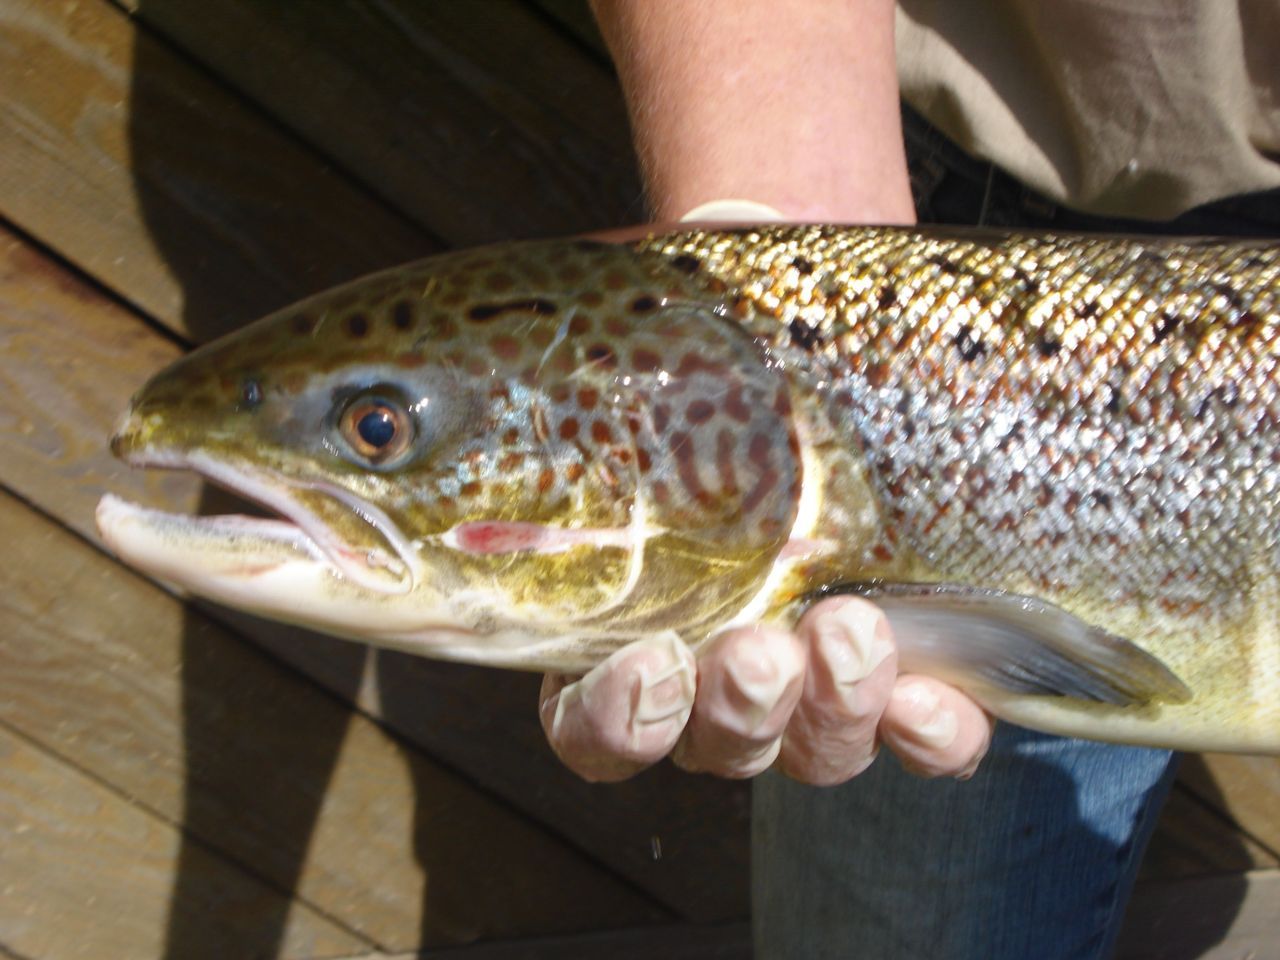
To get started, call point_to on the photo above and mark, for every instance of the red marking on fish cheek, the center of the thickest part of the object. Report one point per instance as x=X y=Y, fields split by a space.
x=587 y=398
x=410 y=360
x=546 y=480
x=471 y=488
x=579 y=325
x=758 y=450
x=617 y=327
x=511 y=437
x=661 y=417
x=645 y=361
x=735 y=406
x=573 y=473
x=782 y=403
x=568 y=428
x=643 y=460
x=509 y=462
x=725 y=448
x=505 y=347
x=600 y=432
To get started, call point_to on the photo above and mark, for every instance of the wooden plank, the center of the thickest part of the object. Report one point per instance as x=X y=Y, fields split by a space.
x=86 y=873
x=685 y=942
x=112 y=673
x=1210 y=918
x=162 y=185
x=481 y=120
x=1193 y=839
x=69 y=358
x=1245 y=789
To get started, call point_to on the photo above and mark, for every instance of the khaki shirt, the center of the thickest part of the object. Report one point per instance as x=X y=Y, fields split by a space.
x=1143 y=108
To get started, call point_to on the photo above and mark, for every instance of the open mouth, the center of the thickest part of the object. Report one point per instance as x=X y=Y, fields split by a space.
x=262 y=542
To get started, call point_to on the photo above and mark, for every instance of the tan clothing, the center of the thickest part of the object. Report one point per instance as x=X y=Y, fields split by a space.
x=1141 y=108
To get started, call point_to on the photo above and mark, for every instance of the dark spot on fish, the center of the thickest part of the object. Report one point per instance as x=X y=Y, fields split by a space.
x=1165 y=326
x=1230 y=293
x=600 y=432
x=908 y=429
x=878 y=374
x=402 y=315
x=802 y=265
x=484 y=312
x=1048 y=346
x=944 y=264
x=700 y=411
x=602 y=354
x=1102 y=499
x=887 y=297
x=1229 y=395
x=357 y=325
x=643 y=304
x=903 y=405
x=1088 y=310
x=686 y=263
x=1114 y=399
x=250 y=394
x=1246 y=321
x=804 y=336
x=970 y=346
x=645 y=361
x=568 y=428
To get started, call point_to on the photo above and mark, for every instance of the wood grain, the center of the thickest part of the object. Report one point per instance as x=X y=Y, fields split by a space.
x=85 y=873
x=108 y=671
x=685 y=942
x=1182 y=920
x=1245 y=789
x=1193 y=839
x=165 y=187
x=480 y=120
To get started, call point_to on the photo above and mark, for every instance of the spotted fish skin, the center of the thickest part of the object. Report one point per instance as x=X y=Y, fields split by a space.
x=1088 y=420
x=690 y=429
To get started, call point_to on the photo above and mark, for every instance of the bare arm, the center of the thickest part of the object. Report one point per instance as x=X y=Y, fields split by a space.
x=792 y=103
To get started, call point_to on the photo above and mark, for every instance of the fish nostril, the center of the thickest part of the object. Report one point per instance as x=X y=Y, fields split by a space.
x=129 y=435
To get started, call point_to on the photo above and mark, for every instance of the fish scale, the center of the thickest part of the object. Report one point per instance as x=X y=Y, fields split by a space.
x=1052 y=460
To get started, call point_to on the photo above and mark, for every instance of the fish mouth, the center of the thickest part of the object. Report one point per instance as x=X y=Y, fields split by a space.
x=139 y=533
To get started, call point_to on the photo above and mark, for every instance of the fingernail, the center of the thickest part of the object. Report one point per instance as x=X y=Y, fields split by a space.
x=932 y=725
x=759 y=674
x=666 y=691
x=854 y=640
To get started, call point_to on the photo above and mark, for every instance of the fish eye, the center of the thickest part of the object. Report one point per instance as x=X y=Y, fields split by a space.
x=376 y=428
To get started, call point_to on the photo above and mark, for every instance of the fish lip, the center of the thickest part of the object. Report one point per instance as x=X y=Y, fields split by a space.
x=271 y=492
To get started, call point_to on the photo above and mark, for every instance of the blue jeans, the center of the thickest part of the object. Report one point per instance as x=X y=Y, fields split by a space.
x=1034 y=858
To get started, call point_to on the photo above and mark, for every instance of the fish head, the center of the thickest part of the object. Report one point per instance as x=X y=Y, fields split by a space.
x=522 y=455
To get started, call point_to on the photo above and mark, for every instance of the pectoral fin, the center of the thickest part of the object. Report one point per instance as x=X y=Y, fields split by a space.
x=1016 y=643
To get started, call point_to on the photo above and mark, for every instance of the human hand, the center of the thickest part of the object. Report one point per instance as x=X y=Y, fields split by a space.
x=818 y=702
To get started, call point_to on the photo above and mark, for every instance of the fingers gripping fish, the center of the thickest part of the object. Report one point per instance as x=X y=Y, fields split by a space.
x=1052 y=461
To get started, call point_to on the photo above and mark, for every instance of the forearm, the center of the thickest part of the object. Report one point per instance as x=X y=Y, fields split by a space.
x=793 y=103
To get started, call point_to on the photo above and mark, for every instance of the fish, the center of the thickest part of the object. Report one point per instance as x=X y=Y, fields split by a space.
x=1052 y=460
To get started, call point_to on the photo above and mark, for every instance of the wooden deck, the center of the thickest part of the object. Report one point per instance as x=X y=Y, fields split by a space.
x=178 y=781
